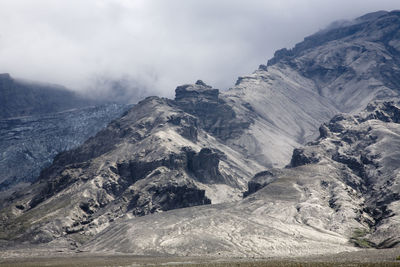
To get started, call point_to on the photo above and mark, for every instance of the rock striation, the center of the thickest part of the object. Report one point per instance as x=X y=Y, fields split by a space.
x=346 y=198
x=29 y=144
x=159 y=156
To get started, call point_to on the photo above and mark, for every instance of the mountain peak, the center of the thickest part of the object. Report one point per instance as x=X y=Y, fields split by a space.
x=376 y=26
x=371 y=16
x=201 y=83
x=199 y=89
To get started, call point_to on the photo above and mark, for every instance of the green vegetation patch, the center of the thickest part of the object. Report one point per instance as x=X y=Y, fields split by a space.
x=359 y=238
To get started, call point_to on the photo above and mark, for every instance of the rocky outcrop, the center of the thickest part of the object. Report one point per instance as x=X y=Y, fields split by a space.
x=260 y=180
x=302 y=157
x=352 y=63
x=169 y=196
x=214 y=114
x=157 y=157
x=205 y=145
x=366 y=147
x=204 y=166
x=323 y=206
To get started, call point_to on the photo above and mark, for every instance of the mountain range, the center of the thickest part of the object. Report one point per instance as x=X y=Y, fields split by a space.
x=38 y=121
x=300 y=157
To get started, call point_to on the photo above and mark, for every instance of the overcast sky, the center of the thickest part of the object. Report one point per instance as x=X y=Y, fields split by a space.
x=156 y=45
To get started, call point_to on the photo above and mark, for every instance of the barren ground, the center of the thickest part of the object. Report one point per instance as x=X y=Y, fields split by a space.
x=386 y=257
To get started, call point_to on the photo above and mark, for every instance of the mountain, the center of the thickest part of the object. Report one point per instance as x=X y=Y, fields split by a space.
x=332 y=71
x=143 y=184
x=338 y=191
x=156 y=157
x=30 y=143
x=38 y=121
x=24 y=98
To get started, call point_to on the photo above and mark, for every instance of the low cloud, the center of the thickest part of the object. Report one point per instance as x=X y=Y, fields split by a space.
x=148 y=47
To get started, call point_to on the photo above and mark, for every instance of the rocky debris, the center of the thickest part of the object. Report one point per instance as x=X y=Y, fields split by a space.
x=188 y=125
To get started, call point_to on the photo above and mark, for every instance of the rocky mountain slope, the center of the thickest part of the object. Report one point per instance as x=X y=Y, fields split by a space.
x=30 y=143
x=338 y=191
x=156 y=157
x=38 y=121
x=336 y=70
x=205 y=146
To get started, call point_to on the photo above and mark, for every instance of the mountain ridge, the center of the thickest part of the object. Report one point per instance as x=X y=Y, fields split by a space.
x=316 y=205
x=308 y=190
x=25 y=98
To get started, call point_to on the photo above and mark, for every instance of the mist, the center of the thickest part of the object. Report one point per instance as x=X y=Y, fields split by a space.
x=134 y=48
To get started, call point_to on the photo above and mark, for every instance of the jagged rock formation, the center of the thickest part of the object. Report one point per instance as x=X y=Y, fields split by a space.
x=261 y=180
x=38 y=121
x=348 y=194
x=337 y=70
x=204 y=146
x=30 y=143
x=155 y=158
x=350 y=65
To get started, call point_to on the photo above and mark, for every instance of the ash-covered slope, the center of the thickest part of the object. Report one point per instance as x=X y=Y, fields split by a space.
x=30 y=143
x=205 y=145
x=340 y=69
x=340 y=190
x=163 y=154
x=352 y=64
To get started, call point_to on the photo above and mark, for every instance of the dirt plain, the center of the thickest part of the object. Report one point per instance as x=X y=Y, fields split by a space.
x=33 y=258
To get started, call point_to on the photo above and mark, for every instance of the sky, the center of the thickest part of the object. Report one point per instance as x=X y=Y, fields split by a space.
x=148 y=47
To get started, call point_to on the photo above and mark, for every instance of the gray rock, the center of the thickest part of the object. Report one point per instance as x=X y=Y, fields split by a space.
x=214 y=114
x=29 y=144
x=124 y=188
x=302 y=157
x=260 y=180
x=322 y=207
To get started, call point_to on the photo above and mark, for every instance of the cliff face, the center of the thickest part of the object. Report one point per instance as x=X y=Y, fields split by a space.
x=340 y=69
x=38 y=121
x=162 y=154
x=339 y=193
x=29 y=144
x=352 y=64
x=205 y=146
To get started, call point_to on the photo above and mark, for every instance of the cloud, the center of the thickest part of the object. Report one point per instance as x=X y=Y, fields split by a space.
x=157 y=44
